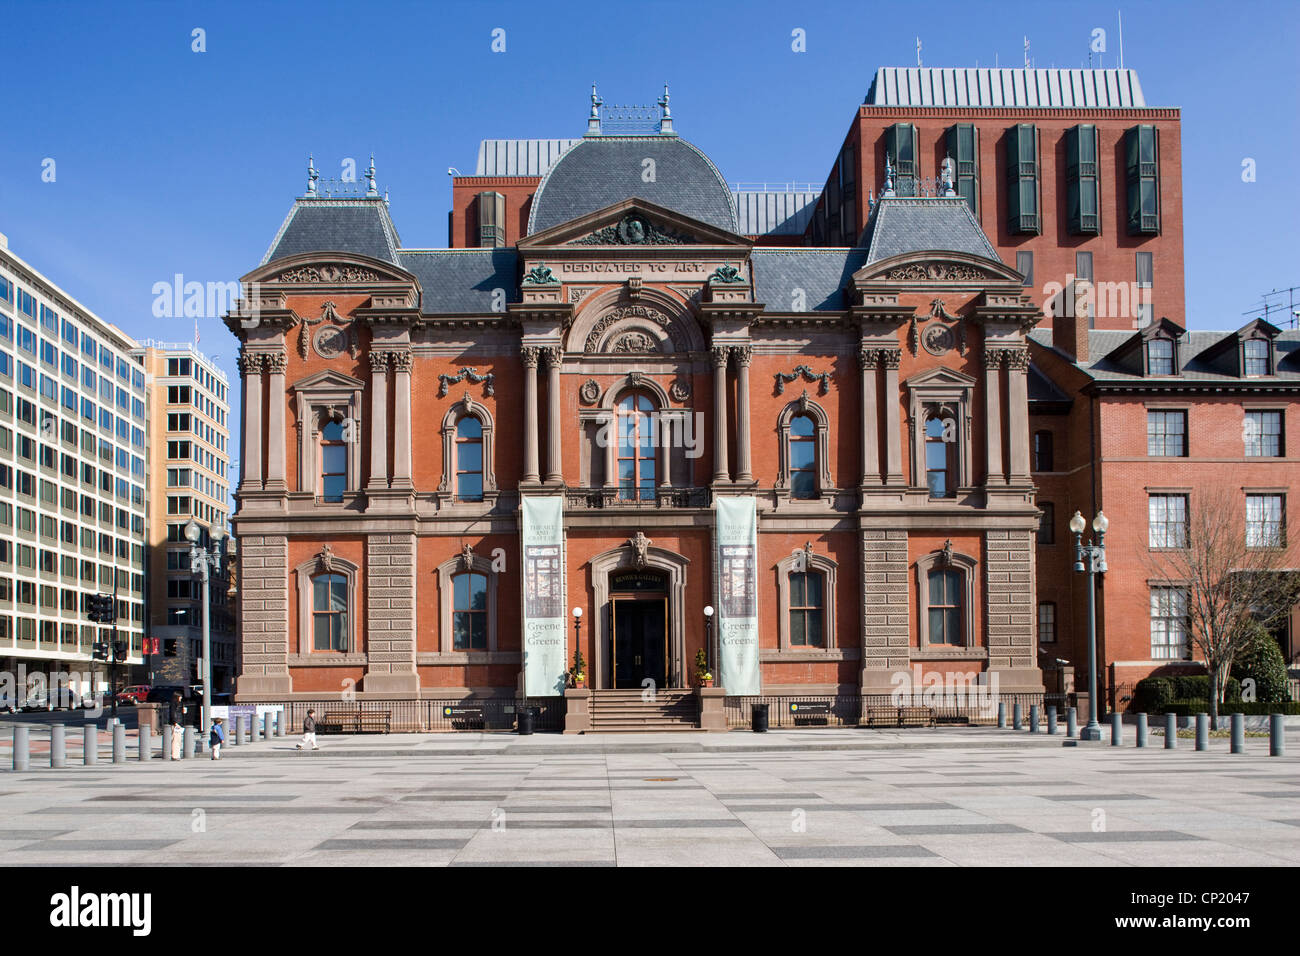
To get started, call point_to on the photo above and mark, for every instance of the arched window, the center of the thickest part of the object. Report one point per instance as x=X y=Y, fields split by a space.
x=329 y=608
x=469 y=459
x=945 y=607
x=333 y=462
x=803 y=457
x=940 y=455
x=637 y=444
x=469 y=612
x=807 y=609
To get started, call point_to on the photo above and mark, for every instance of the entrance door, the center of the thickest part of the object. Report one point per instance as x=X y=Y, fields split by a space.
x=640 y=643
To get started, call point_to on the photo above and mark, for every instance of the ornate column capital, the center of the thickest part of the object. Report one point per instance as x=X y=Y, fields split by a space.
x=744 y=354
x=718 y=355
x=869 y=359
x=1017 y=359
x=379 y=361
x=553 y=355
x=400 y=361
x=250 y=363
x=529 y=355
x=277 y=363
x=992 y=358
x=890 y=358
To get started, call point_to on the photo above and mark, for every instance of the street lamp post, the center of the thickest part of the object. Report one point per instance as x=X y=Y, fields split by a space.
x=708 y=641
x=577 y=640
x=1090 y=559
x=202 y=560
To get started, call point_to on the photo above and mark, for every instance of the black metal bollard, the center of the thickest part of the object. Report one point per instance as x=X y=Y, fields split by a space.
x=1202 y=731
x=58 y=746
x=1002 y=715
x=1238 y=734
x=1171 y=731
x=22 y=747
x=1141 y=731
x=1276 y=743
x=1117 y=729
x=1071 y=722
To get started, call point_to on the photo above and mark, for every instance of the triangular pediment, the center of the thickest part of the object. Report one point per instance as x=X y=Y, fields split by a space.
x=632 y=225
x=327 y=269
x=940 y=375
x=328 y=380
x=938 y=265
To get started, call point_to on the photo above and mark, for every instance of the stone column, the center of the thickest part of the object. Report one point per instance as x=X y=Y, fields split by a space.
x=891 y=358
x=554 y=358
x=869 y=359
x=993 y=416
x=718 y=357
x=378 y=420
x=250 y=477
x=744 y=355
x=529 y=355
x=401 y=419
x=1018 y=413
x=276 y=364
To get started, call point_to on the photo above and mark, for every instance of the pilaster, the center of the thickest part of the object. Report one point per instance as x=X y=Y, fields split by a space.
x=390 y=615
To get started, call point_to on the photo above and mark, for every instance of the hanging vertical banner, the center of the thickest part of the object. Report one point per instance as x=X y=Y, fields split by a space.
x=737 y=536
x=545 y=658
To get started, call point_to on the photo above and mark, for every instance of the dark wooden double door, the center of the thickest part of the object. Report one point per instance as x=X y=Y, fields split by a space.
x=640 y=642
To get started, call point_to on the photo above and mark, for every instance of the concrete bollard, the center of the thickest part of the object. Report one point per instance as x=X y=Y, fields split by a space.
x=22 y=747
x=90 y=746
x=241 y=723
x=1238 y=734
x=1033 y=718
x=1171 y=731
x=1071 y=722
x=1117 y=729
x=1018 y=716
x=187 y=744
x=1051 y=719
x=268 y=726
x=1141 y=731
x=145 y=742
x=169 y=734
x=58 y=746
x=119 y=742
x=1276 y=743
x=1002 y=715
x=1202 y=731
x=281 y=719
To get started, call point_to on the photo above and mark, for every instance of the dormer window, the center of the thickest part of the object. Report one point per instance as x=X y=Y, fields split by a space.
x=1255 y=357
x=1160 y=357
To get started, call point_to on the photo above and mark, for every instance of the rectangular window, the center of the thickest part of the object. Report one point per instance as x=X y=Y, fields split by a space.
x=1167 y=434
x=1254 y=355
x=1265 y=521
x=963 y=147
x=1169 y=624
x=1025 y=266
x=1263 y=434
x=491 y=219
x=1167 y=518
x=902 y=151
x=1044 y=458
x=1083 y=266
x=1047 y=523
x=1081 y=178
x=1141 y=150
x=1022 y=180
x=1160 y=357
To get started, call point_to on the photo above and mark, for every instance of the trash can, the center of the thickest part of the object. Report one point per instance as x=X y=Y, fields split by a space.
x=525 y=721
x=758 y=719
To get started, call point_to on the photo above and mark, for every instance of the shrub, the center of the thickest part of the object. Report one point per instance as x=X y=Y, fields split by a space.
x=1152 y=694
x=1190 y=708
x=1260 y=659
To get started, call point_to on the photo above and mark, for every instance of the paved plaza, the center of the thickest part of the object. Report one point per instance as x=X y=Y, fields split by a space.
x=795 y=798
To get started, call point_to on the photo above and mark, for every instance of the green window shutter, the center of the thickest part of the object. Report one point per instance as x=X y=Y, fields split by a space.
x=962 y=146
x=1022 y=180
x=1143 y=178
x=900 y=144
x=491 y=219
x=1081 y=177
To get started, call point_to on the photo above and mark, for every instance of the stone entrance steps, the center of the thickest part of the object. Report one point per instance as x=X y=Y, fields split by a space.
x=623 y=711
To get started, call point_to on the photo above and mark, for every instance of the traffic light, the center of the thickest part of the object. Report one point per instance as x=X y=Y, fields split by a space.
x=100 y=608
x=119 y=650
x=99 y=651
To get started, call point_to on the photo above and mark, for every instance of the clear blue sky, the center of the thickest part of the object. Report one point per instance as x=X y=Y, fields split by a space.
x=170 y=161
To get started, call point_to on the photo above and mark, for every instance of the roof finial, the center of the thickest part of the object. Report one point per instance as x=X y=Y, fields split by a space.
x=889 y=179
x=666 y=117
x=312 y=176
x=945 y=176
x=593 y=121
x=372 y=192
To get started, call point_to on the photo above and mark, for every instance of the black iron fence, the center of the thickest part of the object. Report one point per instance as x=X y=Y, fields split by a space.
x=432 y=716
x=885 y=710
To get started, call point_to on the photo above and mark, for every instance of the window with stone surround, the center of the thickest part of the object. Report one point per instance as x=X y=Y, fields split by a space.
x=945 y=581
x=469 y=611
x=806 y=601
x=333 y=462
x=329 y=612
x=468 y=453
x=467 y=603
x=327 y=604
x=803 y=469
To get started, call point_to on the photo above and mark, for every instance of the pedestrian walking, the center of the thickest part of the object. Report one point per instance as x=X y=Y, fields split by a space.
x=216 y=738
x=176 y=717
x=309 y=731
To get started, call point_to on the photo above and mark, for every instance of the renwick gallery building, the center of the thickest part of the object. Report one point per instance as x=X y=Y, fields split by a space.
x=852 y=421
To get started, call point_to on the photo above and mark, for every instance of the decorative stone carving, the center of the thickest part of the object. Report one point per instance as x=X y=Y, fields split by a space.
x=635 y=378
x=937 y=272
x=718 y=356
x=589 y=393
x=744 y=355
x=945 y=554
x=553 y=355
x=680 y=390
x=471 y=374
x=634 y=311
x=467 y=558
x=1018 y=359
x=330 y=273
x=330 y=341
x=250 y=363
x=325 y=560
x=803 y=402
x=640 y=545
x=540 y=274
x=808 y=375
x=992 y=358
x=635 y=230
x=727 y=275
x=869 y=359
x=378 y=361
x=401 y=361
x=891 y=358
x=529 y=355
x=277 y=363
x=635 y=342
x=577 y=295
x=938 y=339
x=634 y=288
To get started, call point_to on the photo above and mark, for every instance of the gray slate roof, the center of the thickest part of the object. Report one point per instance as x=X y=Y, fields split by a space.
x=985 y=86
x=602 y=170
x=817 y=275
x=462 y=280
x=899 y=225
x=761 y=213
x=1102 y=342
x=361 y=226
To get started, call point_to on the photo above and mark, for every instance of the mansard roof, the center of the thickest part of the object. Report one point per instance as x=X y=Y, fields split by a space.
x=808 y=279
x=602 y=170
x=362 y=226
x=899 y=226
x=463 y=280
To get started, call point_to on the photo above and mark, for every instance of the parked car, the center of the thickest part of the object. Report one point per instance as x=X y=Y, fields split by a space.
x=61 y=698
x=133 y=695
x=36 y=702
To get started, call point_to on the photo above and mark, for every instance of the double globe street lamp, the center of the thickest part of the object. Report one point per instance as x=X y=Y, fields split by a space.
x=201 y=560
x=1090 y=559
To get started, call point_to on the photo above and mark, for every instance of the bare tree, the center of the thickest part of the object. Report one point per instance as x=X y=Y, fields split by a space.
x=1232 y=576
